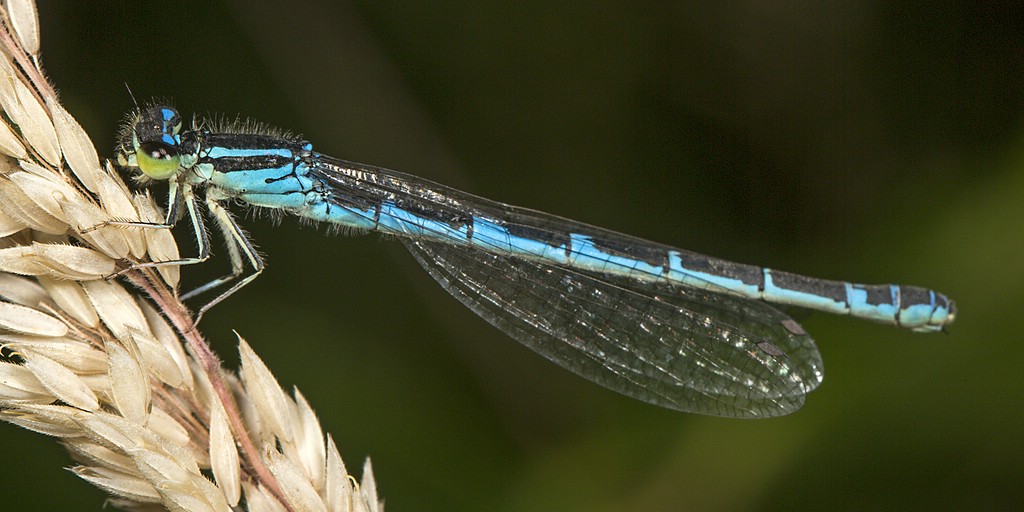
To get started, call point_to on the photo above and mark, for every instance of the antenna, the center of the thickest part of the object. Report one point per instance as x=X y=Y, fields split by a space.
x=130 y=93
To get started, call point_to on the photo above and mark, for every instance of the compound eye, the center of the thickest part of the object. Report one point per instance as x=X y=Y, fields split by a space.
x=157 y=160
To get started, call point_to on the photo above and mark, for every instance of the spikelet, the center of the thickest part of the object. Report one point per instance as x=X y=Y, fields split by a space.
x=107 y=372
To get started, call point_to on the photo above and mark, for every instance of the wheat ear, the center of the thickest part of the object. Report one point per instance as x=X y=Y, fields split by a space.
x=116 y=374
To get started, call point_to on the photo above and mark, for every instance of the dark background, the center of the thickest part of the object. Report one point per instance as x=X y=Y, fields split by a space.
x=867 y=142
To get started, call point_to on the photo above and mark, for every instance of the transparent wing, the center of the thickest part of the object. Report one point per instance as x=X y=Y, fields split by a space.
x=696 y=350
x=674 y=347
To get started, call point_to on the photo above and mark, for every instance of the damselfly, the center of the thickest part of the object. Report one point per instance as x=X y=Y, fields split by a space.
x=660 y=324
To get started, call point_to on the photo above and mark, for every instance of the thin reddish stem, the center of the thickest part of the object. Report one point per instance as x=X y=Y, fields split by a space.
x=179 y=316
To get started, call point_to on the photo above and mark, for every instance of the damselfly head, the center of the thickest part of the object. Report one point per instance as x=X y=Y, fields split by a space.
x=149 y=142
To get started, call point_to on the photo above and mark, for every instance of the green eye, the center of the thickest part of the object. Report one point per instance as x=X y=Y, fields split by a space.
x=157 y=160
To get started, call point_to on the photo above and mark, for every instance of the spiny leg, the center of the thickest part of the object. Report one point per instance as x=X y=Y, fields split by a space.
x=235 y=240
x=238 y=246
x=174 y=202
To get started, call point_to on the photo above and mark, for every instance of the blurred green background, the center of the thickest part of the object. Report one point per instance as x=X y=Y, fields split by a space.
x=866 y=142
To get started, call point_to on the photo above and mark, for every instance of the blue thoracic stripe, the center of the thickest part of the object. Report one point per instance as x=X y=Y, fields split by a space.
x=217 y=152
x=661 y=324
